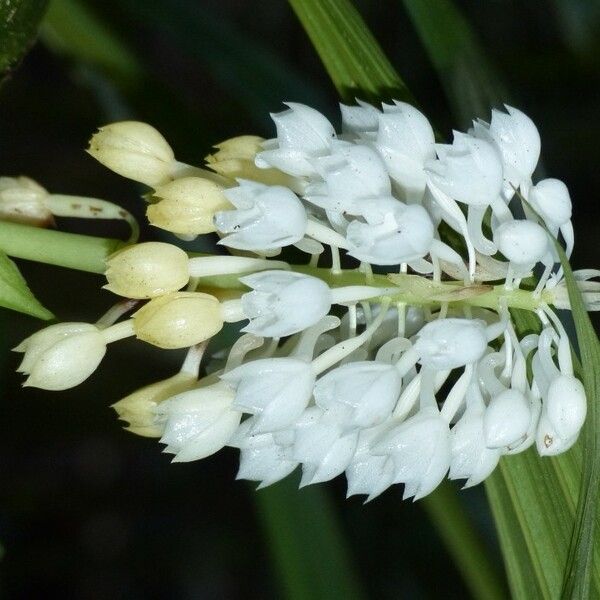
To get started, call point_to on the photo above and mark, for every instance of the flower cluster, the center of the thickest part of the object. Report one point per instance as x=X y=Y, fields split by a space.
x=399 y=363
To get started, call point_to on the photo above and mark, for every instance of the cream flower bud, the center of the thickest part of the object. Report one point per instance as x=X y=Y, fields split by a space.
x=139 y=408
x=451 y=343
x=199 y=422
x=22 y=200
x=187 y=206
x=61 y=356
x=234 y=159
x=178 y=320
x=147 y=270
x=134 y=150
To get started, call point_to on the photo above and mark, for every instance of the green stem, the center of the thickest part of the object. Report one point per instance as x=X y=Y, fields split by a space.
x=87 y=253
x=464 y=544
x=80 y=252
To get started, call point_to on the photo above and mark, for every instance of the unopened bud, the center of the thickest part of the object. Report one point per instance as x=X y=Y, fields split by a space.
x=187 y=206
x=22 y=200
x=178 y=320
x=61 y=356
x=134 y=150
x=234 y=158
x=138 y=409
x=147 y=270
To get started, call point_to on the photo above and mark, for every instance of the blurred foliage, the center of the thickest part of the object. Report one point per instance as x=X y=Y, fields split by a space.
x=89 y=511
x=19 y=21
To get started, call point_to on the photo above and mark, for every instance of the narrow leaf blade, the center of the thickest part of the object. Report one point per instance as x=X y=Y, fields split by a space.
x=350 y=53
x=580 y=568
x=14 y=293
x=307 y=543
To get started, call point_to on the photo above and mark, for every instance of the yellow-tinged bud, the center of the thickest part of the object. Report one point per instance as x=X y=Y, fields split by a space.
x=22 y=200
x=137 y=409
x=234 y=158
x=178 y=320
x=135 y=150
x=147 y=270
x=243 y=147
x=187 y=206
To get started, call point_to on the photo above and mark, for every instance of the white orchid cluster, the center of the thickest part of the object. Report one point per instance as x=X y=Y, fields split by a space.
x=403 y=367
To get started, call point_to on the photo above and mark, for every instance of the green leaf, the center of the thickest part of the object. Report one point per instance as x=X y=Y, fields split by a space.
x=447 y=513
x=307 y=543
x=580 y=564
x=355 y=62
x=19 y=21
x=14 y=293
x=469 y=81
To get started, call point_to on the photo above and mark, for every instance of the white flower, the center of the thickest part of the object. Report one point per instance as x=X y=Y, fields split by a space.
x=368 y=389
x=61 y=356
x=523 y=243
x=266 y=217
x=303 y=134
x=321 y=446
x=506 y=419
x=264 y=457
x=469 y=170
x=283 y=303
x=518 y=141
x=276 y=390
x=350 y=173
x=369 y=474
x=471 y=458
x=551 y=200
x=359 y=119
x=198 y=423
x=451 y=343
x=421 y=451
x=563 y=413
x=394 y=233
x=405 y=140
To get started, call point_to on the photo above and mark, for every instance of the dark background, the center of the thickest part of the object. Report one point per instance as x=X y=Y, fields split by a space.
x=89 y=511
